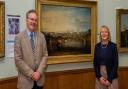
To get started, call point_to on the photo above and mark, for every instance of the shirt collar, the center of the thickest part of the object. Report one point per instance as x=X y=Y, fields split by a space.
x=28 y=32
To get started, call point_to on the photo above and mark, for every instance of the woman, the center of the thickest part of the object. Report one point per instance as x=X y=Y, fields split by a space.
x=106 y=61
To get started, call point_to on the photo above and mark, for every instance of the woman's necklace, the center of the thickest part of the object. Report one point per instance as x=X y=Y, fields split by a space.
x=104 y=45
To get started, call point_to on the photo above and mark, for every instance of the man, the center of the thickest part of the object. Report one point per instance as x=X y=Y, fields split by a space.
x=30 y=54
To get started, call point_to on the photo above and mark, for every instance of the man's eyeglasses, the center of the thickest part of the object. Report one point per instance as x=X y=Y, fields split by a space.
x=32 y=19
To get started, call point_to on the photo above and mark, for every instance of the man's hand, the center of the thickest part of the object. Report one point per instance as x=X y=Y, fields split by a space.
x=36 y=76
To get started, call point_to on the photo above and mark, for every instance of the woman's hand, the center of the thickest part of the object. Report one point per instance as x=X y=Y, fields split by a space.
x=102 y=80
x=107 y=83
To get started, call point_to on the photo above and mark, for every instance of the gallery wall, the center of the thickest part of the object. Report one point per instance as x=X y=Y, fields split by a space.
x=106 y=14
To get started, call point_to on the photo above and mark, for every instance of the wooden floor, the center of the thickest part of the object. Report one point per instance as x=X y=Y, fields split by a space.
x=71 y=79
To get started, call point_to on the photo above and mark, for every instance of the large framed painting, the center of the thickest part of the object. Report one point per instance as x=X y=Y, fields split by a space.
x=2 y=29
x=122 y=30
x=69 y=27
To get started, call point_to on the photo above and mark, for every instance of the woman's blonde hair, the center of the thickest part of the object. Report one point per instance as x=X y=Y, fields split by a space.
x=109 y=35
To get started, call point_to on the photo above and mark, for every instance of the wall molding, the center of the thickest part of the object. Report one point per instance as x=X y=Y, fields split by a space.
x=62 y=79
x=13 y=78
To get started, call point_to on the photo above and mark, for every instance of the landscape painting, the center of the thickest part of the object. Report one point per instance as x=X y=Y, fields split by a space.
x=67 y=29
x=122 y=30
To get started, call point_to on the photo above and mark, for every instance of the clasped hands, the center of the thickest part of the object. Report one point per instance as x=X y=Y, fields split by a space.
x=36 y=76
x=104 y=81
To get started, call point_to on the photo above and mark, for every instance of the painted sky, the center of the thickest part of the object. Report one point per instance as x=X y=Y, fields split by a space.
x=124 y=22
x=65 y=18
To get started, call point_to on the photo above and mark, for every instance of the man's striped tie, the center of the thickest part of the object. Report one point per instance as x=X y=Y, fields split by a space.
x=32 y=41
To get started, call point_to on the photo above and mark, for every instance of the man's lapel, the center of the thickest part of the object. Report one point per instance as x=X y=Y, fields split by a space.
x=27 y=42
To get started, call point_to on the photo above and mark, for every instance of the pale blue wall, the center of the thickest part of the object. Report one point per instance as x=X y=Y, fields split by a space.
x=106 y=15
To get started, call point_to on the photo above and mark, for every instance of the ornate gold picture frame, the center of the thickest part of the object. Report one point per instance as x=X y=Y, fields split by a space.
x=2 y=29
x=122 y=30
x=70 y=29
